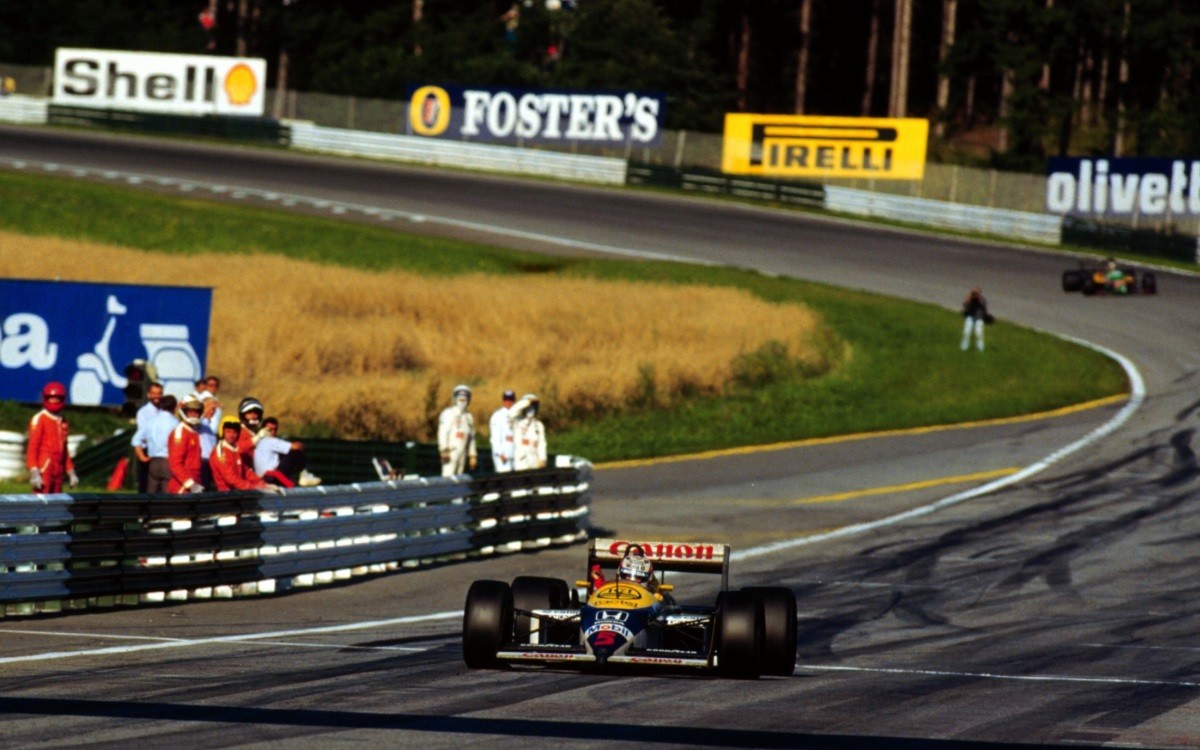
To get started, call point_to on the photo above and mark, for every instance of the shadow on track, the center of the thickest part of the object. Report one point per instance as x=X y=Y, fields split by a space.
x=566 y=730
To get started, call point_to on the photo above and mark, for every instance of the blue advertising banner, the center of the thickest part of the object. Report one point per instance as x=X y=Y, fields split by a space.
x=84 y=336
x=1141 y=186
x=535 y=116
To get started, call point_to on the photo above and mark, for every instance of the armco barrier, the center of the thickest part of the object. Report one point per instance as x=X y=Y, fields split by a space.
x=232 y=127
x=700 y=180
x=437 y=152
x=1026 y=225
x=62 y=552
x=23 y=109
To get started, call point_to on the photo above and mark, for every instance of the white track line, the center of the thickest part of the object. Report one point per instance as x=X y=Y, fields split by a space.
x=188 y=643
x=1137 y=394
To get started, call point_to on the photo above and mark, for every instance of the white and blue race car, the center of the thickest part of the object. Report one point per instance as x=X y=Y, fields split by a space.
x=625 y=613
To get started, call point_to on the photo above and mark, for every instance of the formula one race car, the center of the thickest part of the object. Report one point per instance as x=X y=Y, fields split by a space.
x=1109 y=278
x=624 y=613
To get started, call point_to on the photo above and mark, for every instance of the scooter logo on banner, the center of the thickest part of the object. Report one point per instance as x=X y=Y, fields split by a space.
x=85 y=335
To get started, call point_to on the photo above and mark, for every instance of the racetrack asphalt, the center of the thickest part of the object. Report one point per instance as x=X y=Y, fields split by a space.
x=1056 y=610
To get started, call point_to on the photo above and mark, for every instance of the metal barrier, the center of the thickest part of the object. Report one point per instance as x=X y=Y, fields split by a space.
x=232 y=127
x=714 y=181
x=1038 y=227
x=493 y=158
x=63 y=552
x=23 y=109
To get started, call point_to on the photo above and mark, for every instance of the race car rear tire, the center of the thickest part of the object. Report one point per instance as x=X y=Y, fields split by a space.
x=1149 y=282
x=487 y=622
x=533 y=592
x=1072 y=281
x=777 y=653
x=739 y=634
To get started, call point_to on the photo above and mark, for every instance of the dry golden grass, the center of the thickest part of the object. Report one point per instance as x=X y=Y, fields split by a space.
x=376 y=354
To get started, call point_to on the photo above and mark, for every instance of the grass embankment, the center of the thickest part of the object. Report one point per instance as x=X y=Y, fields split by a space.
x=359 y=331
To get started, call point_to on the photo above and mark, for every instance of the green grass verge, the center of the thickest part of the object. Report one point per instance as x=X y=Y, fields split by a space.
x=906 y=369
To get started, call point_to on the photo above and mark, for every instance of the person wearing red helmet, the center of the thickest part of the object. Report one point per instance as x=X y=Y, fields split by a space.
x=47 y=457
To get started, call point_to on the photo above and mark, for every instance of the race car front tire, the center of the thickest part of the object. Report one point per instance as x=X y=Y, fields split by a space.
x=777 y=652
x=739 y=634
x=533 y=592
x=487 y=622
x=1072 y=281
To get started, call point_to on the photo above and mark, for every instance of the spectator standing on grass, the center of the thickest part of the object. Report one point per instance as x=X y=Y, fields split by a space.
x=456 y=434
x=529 y=434
x=500 y=434
x=975 y=316
x=46 y=455
x=140 y=442
x=281 y=461
x=183 y=449
x=157 y=439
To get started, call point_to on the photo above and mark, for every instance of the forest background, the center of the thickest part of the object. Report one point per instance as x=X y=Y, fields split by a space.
x=1005 y=83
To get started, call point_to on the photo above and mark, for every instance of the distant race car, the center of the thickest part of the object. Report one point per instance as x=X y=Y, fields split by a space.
x=608 y=621
x=1109 y=277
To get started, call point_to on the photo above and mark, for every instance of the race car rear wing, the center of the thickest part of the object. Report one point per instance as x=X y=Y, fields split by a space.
x=691 y=557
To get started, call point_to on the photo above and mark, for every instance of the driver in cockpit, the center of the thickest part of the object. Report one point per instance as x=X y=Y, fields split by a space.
x=637 y=568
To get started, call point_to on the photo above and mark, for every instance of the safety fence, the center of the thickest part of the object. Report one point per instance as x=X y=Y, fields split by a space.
x=245 y=129
x=65 y=552
x=417 y=150
x=1045 y=228
x=23 y=110
x=699 y=180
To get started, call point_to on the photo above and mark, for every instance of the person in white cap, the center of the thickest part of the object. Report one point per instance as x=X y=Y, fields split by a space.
x=456 y=434
x=529 y=435
x=500 y=434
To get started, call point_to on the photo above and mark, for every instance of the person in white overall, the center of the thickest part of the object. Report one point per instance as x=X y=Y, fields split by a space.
x=456 y=434
x=529 y=435
x=500 y=434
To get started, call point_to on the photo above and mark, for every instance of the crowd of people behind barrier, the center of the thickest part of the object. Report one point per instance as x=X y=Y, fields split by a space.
x=190 y=445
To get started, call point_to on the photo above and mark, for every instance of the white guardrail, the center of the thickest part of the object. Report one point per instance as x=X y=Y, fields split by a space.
x=1003 y=222
x=73 y=551
x=23 y=109
x=478 y=156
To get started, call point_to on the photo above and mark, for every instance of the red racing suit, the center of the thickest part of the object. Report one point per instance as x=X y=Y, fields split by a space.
x=47 y=450
x=183 y=458
x=228 y=470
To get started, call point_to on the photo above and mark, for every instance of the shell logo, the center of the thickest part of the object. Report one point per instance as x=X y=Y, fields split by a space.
x=240 y=84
